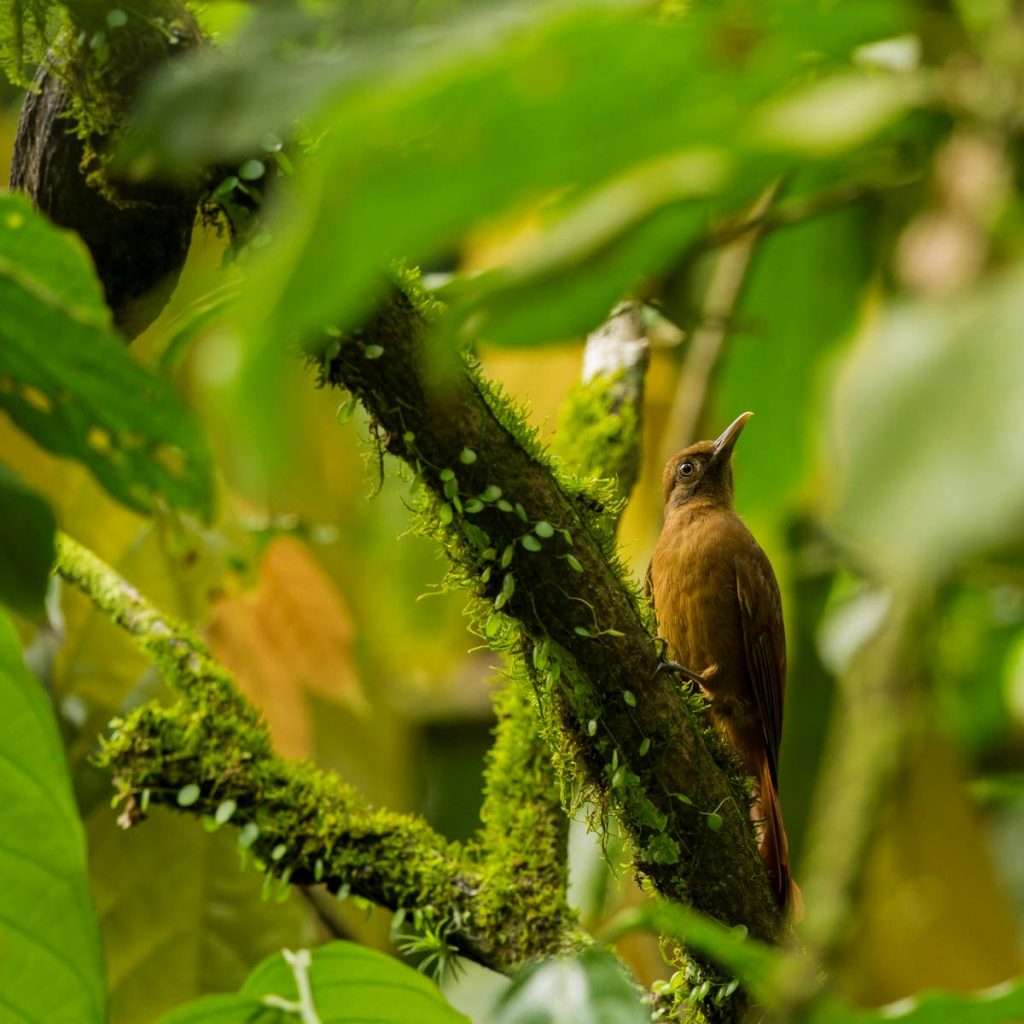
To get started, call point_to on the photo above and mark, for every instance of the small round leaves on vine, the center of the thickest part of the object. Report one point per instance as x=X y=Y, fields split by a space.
x=473 y=506
x=278 y=852
x=144 y=801
x=446 y=514
x=225 y=809
x=318 y=870
x=645 y=746
x=493 y=625
x=248 y=835
x=504 y=506
x=521 y=512
x=116 y=18
x=544 y=529
x=530 y=542
x=373 y=351
x=506 y=556
x=491 y=493
x=188 y=795
x=582 y=631
x=540 y=655
x=446 y=475
x=408 y=437
x=592 y=727
x=252 y=170
x=345 y=410
x=467 y=456
x=574 y=563
x=715 y=821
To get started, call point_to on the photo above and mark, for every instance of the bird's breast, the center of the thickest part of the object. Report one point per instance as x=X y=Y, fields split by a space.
x=693 y=575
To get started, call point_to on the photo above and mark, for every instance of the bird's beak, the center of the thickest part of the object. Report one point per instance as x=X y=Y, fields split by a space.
x=727 y=439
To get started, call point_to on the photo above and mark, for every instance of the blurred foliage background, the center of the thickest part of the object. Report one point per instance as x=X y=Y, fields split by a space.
x=828 y=230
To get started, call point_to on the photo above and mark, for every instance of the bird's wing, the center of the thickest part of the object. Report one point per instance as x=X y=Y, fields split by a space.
x=764 y=643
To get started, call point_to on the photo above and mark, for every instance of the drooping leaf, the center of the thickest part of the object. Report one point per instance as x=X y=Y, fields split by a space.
x=26 y=545
x=51 y=968
x=348 y=984
x=592 y=987
x=67 y=380
x=420 y=143
x=925 y=432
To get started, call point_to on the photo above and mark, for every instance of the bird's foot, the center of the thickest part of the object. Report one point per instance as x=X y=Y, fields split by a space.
x=667 y=665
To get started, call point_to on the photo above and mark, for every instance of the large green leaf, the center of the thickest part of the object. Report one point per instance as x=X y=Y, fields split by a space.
x=51 y=967
x=347 y=984
x=422 y=143
x=67 y=380
x=592 y=987
x=26 y=545
x=925 y=439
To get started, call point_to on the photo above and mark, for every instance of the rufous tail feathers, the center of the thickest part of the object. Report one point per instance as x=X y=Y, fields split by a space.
x=775 y=848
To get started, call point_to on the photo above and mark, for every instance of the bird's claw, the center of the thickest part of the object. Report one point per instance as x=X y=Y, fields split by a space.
x=667 y=665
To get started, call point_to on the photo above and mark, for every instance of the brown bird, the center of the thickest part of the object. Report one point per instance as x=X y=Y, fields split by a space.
x=719 y=610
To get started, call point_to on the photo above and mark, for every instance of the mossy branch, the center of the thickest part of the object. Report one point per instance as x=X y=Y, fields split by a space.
x=539 y=549
x=524 y=825
x=210 y=755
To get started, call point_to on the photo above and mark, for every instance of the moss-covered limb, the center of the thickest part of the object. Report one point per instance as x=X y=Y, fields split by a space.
x=522 y=841
x=181 y=656
x=599 y=430
x=524 y=825
x=538 y=547
x=211 y=753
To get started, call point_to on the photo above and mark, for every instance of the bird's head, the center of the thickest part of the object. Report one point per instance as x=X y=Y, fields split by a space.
x=704 y=470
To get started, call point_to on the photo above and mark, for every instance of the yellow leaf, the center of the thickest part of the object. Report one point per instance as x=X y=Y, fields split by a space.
x=290 y=637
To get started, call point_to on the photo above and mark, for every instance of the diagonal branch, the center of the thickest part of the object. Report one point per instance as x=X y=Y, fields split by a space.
x=538 y=548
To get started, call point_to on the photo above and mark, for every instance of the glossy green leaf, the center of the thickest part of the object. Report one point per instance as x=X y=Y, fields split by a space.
x=592 y=988
x=925 y=432
x=26 y=545
x=67 y=380
x=348 y=984
x=51 y=968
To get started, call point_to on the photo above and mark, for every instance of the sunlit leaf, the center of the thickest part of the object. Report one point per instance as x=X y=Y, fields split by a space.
x=51 y=968
x=292 y=636
x=67 y=380
x=26 y=545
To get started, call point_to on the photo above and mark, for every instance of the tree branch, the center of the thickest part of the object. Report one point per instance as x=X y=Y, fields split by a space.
x=538 y=548
x=210 y=754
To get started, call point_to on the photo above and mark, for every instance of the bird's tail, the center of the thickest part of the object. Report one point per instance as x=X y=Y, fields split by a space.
x=775 y=848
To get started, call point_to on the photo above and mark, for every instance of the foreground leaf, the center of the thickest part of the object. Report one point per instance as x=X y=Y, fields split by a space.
x=51 y=968
x=926 y=432
x=347 y=984
x=67 y=380
x=592 y=988
x=26 y=545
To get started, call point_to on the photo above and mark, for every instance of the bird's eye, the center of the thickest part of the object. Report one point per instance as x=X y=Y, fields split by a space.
x=685 y=468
